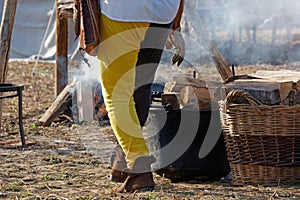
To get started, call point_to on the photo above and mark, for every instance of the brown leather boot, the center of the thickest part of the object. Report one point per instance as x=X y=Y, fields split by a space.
x=140 y=177
x=118 y=164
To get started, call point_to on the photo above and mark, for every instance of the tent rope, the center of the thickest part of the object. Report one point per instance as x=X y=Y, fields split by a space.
x=44 y=39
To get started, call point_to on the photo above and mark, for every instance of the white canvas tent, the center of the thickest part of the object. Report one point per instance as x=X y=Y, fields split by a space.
x=33 y=17
x=34 y=31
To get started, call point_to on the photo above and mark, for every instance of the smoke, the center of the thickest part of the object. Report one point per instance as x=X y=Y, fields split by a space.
x=87 y=71
x=246 y=32
x=86 y=77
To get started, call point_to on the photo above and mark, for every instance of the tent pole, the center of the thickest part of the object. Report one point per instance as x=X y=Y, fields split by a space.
x=7 y=23
x=8 y=17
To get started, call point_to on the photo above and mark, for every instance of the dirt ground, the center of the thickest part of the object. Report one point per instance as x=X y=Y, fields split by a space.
x=63 y=162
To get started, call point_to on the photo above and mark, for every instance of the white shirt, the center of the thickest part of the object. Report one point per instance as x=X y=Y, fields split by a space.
x=154 y=11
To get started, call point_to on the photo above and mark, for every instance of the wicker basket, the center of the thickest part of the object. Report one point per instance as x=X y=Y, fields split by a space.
x=262 y=141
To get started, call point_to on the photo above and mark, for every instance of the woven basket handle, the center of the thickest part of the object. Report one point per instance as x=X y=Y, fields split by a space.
x=234 y=94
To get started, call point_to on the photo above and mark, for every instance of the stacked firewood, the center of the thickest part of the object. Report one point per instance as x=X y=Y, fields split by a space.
x=269 y=87
x=183 y=91
x=195 y=93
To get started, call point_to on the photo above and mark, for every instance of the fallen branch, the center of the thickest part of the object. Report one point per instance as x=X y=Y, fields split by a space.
x=57 y=105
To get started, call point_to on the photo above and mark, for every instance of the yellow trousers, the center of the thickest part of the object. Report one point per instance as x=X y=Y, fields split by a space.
x=118 y=54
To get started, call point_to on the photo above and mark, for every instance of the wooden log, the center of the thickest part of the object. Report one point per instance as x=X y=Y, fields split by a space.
x=178 y=82
x=188 y=93
x=280 y=76
x=171 y=99
x=293 y=98
x=266 y=91
x=61 y=66
x=199 y=97
x=56 y=106
x=220 y=63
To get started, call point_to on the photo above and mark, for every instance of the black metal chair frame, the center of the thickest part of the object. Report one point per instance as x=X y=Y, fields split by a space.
x=8 y=87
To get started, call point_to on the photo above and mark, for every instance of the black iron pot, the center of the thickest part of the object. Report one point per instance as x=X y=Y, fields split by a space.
x=187 y=143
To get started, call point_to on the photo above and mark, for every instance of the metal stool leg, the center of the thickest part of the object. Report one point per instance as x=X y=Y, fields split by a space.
x=20 y=117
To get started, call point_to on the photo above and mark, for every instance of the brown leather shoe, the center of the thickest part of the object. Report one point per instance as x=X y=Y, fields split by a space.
x=118 y=164
x=140 y=177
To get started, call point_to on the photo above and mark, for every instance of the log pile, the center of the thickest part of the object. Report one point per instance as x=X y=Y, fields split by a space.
x=188 y=92
x=270 y=87
x=183 y=92
x=293 y=97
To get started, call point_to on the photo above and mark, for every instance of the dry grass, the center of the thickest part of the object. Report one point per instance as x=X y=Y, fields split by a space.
x=69 y=161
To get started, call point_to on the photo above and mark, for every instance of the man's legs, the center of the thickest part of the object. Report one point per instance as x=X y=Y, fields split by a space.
x=148 y=59
x=118 y=54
